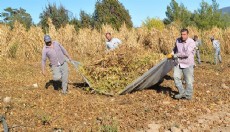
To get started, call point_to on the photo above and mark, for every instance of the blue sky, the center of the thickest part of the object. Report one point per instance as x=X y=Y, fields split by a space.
x=138 y=9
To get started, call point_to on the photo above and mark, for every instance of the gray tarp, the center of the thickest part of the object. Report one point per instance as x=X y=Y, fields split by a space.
x=76 y=65
x=151 y=77
x=148 y=79
x=3 y=120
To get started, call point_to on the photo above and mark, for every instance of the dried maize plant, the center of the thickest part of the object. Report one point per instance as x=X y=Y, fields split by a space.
x=111 y=72
x=226 y=41
x=207 y=47
x=89 y=43
x=4 y=37
x=35 y=43
x=167 y=39
x=17 y=42
x=129 y=36
x=108 y=71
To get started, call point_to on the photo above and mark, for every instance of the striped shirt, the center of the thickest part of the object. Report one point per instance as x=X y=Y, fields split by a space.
x=55 y=54
x=185 y=52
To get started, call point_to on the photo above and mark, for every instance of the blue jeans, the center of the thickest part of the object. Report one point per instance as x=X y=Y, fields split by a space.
x=189 y=78
x=217 y=56
x=61 y=73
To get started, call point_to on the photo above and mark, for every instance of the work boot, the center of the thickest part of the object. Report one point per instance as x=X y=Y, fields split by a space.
x=179 y=96
x=48 y=84
x=57 y=84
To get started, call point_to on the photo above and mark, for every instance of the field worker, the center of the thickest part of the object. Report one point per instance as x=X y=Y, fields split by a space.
x=216 y=46
x=184 y=52
x=112 y=43
x=198 y=44
x=56 y=54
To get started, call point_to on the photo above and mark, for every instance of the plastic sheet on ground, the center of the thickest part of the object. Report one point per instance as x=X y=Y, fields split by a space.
x=5 y=126
x=76 y=65
x=151 y=77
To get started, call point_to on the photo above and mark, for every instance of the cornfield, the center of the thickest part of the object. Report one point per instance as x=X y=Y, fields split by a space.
x=110 y=71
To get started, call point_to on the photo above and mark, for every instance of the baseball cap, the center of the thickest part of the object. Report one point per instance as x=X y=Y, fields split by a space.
x=47 y=38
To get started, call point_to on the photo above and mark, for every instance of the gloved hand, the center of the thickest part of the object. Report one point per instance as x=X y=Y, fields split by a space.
x=170 y=56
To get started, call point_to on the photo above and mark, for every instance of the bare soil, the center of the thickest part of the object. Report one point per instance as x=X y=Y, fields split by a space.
x=41 y=109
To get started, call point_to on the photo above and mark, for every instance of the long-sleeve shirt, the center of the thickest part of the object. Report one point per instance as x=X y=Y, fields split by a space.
x=55 y=54
x=185 y=52
x=198 y=44
x=216 y=44
x=113 y=43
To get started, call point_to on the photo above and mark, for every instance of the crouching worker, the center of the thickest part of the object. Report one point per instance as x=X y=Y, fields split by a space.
x=184 y=52
x=112 y=43
x=56 y=54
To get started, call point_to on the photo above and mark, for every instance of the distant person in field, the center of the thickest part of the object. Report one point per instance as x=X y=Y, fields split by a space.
x=216 y=46
x=56 y=54
x=184 y=52
x=112 y=43
x=198 y=44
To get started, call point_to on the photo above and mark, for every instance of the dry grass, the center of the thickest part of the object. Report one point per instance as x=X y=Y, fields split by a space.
x=113 y=71
x=86 y=43
x=87 y=46
x=40 y=109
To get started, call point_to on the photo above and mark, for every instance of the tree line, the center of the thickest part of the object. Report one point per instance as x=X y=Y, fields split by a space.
x=205 y=17
x=113 y=12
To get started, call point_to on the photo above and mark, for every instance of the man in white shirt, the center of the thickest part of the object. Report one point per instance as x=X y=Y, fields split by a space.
x=112 y=43
x=198 y=44
x=216 y=46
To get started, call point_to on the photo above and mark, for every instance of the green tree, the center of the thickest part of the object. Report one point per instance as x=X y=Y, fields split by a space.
x=76 y=23
x=11 y=15
x=216 y=13
x=177 y=13
x=58 y=15
x=85 y=20
x=172 y=12
x=225 y=19
x=202 y=16
x=111 y=12
x=208 y=16
x=151 y=23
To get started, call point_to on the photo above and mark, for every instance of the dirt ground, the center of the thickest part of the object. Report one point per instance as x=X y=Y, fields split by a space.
x=41 y=109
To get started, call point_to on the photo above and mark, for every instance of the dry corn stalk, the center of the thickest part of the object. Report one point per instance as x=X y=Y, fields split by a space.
x=141 y=49
x=111 y=72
